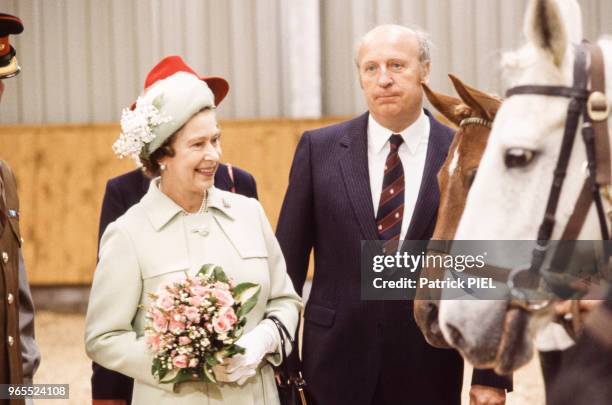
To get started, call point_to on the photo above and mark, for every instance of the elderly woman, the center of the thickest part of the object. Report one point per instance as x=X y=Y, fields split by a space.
x=182 y=223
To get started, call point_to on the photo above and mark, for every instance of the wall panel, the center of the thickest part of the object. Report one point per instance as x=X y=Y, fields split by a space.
x=62 y=172
x=84 y=60
x=101 y=90
x=469 y=37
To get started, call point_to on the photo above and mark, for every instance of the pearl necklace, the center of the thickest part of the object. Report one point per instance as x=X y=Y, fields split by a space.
x=202 y=208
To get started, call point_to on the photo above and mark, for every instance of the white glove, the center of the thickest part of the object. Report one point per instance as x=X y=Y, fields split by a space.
x=257 y=343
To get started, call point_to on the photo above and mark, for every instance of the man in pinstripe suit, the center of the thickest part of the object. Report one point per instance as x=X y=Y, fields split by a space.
x=372 y=178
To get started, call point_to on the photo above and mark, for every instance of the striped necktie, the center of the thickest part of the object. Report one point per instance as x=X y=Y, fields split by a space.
x=391 y=206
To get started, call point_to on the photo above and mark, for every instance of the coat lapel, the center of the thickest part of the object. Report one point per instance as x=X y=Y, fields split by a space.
x=354 y=169
x=429 y=194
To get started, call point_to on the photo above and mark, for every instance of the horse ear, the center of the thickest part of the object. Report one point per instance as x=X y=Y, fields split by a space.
x=483 y=103
x=446 y=105
x=545 y=28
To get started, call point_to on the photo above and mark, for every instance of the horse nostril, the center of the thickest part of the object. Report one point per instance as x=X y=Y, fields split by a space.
x=456 y=336
x=432 y=314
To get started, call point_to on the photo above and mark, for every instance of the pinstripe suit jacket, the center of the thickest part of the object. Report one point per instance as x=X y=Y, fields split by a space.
x=350 y=346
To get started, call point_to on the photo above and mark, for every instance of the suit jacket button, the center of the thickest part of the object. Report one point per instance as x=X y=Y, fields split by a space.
x=10 y=341
x=10 y=298
x=5 y=257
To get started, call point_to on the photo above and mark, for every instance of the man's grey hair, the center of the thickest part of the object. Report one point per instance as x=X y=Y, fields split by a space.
x=422 y=37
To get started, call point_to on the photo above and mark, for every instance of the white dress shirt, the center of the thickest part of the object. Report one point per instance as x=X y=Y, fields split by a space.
x=412 y=153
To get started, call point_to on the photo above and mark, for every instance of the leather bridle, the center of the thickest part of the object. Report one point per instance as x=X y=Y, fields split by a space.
x=591 y=104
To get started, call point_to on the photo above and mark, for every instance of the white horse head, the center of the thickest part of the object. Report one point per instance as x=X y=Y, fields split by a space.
x=508 y=203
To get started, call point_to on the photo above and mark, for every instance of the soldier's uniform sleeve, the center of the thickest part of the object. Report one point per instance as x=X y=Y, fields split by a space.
x=30 y=354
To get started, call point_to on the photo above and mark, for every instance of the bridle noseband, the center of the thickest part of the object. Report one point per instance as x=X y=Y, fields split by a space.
x=475 y=121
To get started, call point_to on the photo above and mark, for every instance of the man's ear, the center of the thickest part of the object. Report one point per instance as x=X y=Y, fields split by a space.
x=425 y=70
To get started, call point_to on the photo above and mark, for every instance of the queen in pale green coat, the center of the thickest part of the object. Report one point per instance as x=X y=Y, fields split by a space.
x=182 y=223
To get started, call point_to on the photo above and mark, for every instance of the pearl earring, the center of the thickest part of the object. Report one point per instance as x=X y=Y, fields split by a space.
x=162 y=167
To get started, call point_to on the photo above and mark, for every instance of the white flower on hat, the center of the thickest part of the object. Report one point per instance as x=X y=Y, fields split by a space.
x=137 y=127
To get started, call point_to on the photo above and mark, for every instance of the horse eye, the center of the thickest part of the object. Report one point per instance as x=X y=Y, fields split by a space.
x=518 y=157
x=471 y=175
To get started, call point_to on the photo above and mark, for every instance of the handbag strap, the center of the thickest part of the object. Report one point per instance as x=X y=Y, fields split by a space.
x=284 y=336
x=292 y=364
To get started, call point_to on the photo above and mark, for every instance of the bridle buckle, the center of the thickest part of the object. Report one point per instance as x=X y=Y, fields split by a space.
x=598 y=107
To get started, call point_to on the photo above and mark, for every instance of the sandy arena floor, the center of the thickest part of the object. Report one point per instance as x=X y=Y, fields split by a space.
x=60 y=337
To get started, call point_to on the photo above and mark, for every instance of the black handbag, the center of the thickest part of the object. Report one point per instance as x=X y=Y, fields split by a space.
x=289 y=381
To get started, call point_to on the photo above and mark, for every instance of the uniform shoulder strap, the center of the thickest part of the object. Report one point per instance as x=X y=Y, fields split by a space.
x=10 y=189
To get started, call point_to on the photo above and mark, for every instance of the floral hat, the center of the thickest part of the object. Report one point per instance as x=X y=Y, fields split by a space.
x=163 y=109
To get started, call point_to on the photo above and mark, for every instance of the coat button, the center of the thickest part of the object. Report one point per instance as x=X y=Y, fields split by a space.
x=5 y=257
x=202 y=231
x=10 y=340
x=226 y=203
x=10 y=298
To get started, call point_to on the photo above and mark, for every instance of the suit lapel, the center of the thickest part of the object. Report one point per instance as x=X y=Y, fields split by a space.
x=222 y=179
x=429 y=194
x=145 y=181
x=354 y=169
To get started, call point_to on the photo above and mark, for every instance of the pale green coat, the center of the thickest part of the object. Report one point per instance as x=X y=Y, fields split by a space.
x=153 y=244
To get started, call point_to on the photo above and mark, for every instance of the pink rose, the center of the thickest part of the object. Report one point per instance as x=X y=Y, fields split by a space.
x=176 y=326
x=192 y=314
x=224 y=297
x=165 y=301
x=196 y=300
x=230 y=315
x=160 y=322
x=221 y=285
x=154 y=341
x=224 y=320
x=200 y=291
x=180 y=361
x=184 y=340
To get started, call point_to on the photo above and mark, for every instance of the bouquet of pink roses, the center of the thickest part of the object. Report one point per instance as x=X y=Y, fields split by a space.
x=193 y=325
